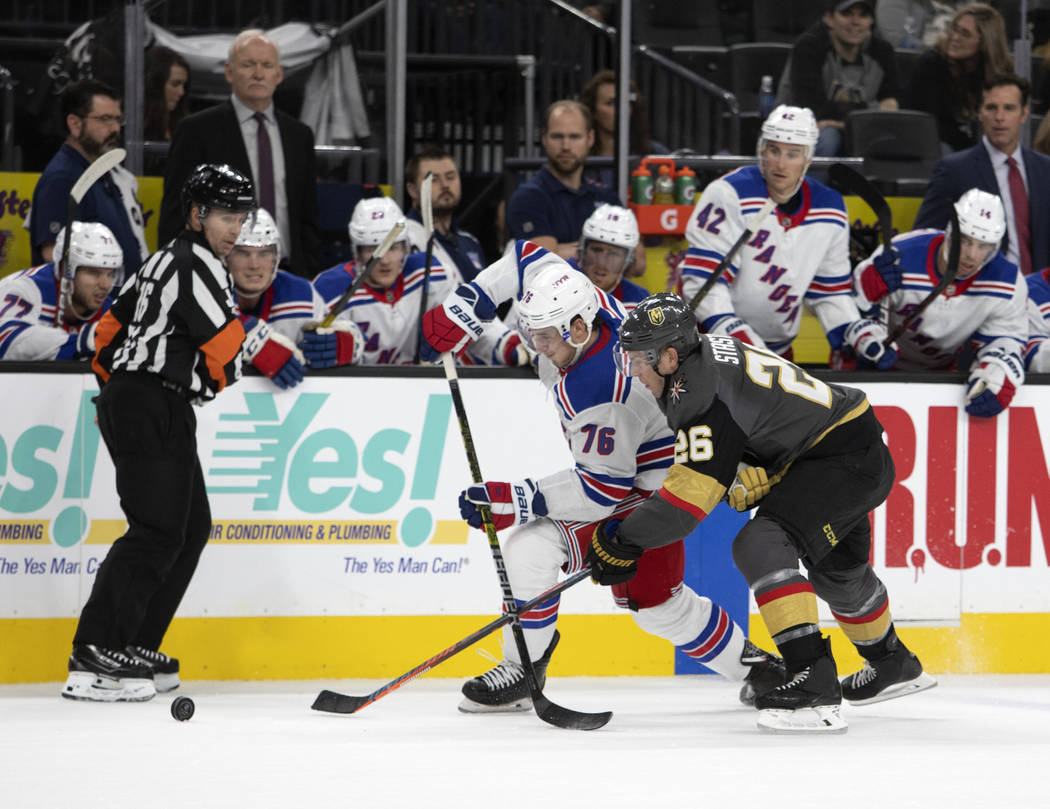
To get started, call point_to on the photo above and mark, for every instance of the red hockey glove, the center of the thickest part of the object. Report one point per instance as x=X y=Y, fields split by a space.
x=993 y=383
x=457 y=321
x=514 y=503
x=273 y=354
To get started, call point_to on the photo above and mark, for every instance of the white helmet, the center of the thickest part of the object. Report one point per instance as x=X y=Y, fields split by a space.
x=372 y=220
x=611 y=224
x=981 y=216
x=92 y=245
x=554 y=298
x=787 y=124
x=261 y=231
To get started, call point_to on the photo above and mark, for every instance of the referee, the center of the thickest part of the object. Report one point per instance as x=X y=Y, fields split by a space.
x=171 y=340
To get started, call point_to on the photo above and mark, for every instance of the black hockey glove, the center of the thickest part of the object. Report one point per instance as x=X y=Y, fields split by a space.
x=611 y=560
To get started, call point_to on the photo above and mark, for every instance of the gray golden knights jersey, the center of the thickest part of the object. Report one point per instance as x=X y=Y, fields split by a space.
x=730 y=402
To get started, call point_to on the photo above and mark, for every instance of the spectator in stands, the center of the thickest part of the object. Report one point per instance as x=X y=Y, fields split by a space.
x=92 y=116
x=599 y=96
x=948 y=77
x=454 y=248
x=241 y=132
x=1041 y=140
x=167 y=85
x=903 y=23
x=999 y=165
x=837 y=66
x=551 y=207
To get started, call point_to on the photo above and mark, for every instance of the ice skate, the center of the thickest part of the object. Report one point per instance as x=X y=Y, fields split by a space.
x=503 y=689
x=896 y=674
x=165 y=669
x=107 y=675
x=766 y=672
x=808 y=703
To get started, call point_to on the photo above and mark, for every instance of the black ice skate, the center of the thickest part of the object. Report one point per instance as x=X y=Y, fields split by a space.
x=808 y=703
x=896 y=674
x=766 y=672
x=107 y=675
x=165 y=669
x=503 y=689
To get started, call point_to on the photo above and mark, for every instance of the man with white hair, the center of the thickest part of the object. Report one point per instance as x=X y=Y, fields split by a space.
x=978 y=322
x=30 y=329
x=798 y=255
x=250 y=134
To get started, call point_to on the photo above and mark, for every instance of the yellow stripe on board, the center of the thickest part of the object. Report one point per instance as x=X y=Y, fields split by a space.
x=383 y=647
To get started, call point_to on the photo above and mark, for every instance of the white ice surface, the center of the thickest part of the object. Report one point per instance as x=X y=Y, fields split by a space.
x=974 y=741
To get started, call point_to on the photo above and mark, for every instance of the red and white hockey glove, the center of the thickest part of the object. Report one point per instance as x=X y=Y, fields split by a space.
x=612 y=559
x=993 y=383
x=513 y=503
x=510 y=350
x=865 y=337
x=341 y=344
x=458 y=320
x=882 y=275
x=733 y=326
x=272 y=354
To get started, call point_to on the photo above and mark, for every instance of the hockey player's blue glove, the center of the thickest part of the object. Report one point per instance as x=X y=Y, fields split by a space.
x=273 y=354
x=513 y=503
x=611 y=560
x=882 y=276
x=341 y=344
x=866 y=338
x=993 y=383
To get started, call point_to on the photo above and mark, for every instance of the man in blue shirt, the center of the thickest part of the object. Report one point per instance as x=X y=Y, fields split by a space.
x=92 y=116
x=452 y=247
x=550 y=208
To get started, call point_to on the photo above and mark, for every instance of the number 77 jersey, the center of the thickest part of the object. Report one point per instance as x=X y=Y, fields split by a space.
x=730 y=402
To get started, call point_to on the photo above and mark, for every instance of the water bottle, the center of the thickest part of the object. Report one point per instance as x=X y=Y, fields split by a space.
x=685 y=186
x=663 y=187
x=766 y=98
x=641 y=186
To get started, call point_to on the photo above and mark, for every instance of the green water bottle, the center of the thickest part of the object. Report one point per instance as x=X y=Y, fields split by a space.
x=641 y=186
x=685 y=186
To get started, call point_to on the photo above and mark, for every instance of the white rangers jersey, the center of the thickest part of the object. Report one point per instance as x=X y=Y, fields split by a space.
x=971 y=317
x=27 y=317
x=287 y=305
x=388 y=318
x=790 y=259
x=1037 y=353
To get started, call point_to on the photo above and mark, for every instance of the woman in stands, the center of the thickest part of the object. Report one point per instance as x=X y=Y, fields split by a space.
x=948 y=77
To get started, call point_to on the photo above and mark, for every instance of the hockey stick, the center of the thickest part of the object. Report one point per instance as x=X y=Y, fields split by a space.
x=712 y=279
x=380 y=251
x=950 y=272
x=426 y=201
x=851 y=181
x=545 y=709
x=92 y=174
x=332 y=702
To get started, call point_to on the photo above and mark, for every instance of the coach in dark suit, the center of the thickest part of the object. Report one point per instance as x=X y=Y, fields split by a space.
x=250 y=134
x=999 y=165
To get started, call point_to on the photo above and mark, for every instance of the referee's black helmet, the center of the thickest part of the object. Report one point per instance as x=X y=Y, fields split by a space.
x=217 y=185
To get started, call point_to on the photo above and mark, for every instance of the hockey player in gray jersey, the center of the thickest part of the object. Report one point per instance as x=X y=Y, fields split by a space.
x=737 y=412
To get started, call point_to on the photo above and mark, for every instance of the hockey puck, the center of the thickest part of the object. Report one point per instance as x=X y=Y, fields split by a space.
x=182 y=708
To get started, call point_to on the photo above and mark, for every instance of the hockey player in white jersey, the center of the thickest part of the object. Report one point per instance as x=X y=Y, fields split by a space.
x=798 y=255
x=387 y=305
x=1037 y=352
x=29 y=328
x=608 y=244
x=622 y=450
x=978 y=323
x=279 y=310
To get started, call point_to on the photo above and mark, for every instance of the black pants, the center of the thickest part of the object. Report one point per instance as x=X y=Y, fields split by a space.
x=151 y=434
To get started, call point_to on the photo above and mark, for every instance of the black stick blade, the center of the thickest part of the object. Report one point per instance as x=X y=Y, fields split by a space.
x=566 y=718
x=332 y=702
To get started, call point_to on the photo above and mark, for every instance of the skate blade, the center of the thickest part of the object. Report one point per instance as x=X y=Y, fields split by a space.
x=165 y=682
x=821 y=719
x=517 y=706
x=920 y=683
x=84 y=685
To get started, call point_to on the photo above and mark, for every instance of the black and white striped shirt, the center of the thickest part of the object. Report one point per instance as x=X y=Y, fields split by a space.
x=175 y=318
